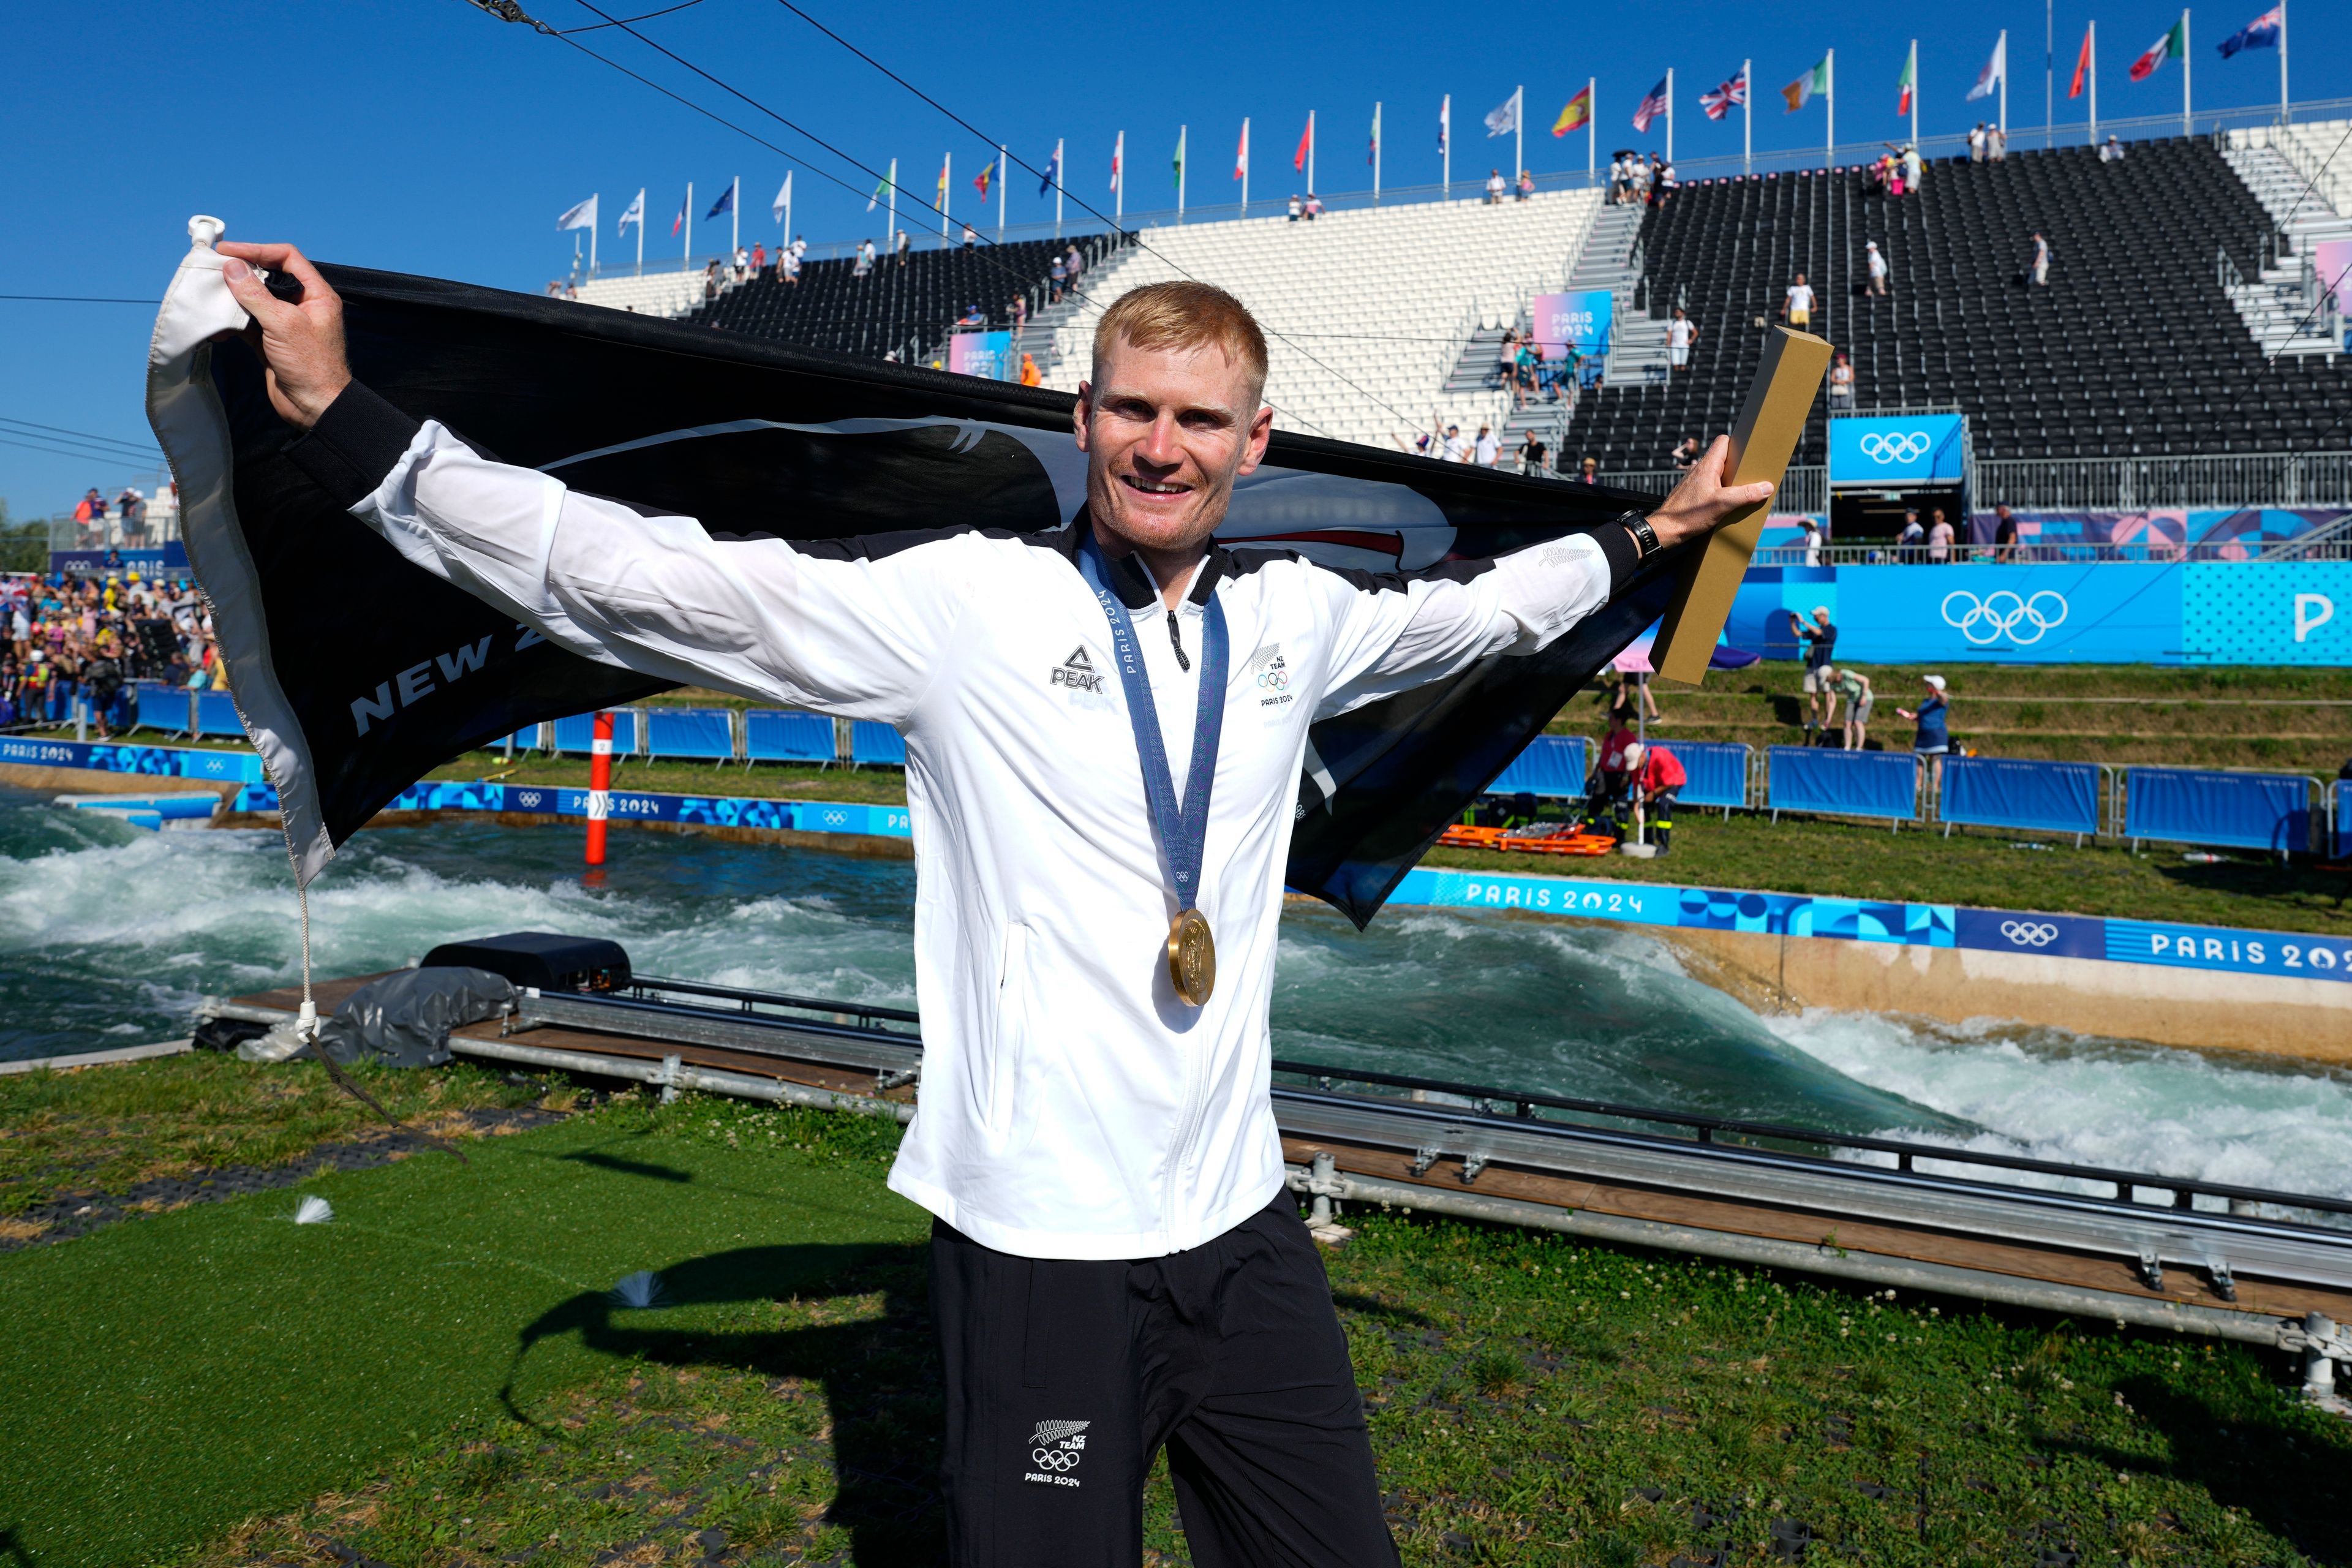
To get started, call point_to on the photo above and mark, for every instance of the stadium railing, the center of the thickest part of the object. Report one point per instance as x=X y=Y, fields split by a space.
x=877 y=744
x=782 y=735
x=1842 y=784
x=165 y=707
x=2015 y=792
x=692 y=735
x=2219 y=806
x=1552 y=766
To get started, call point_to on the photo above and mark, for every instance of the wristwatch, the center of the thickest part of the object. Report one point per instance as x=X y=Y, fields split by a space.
x=1645 y=538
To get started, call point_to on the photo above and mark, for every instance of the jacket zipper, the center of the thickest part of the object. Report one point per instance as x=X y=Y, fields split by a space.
x=1177 y=642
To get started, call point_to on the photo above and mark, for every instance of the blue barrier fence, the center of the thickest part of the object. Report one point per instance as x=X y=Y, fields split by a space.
x=1551 y=766
x=2202 y=805
x=776 y=735
x=2342 y=815
x=165 y=707
x=1844 y=783
x=873 y=742
x=1715 y=772
x=2009 y=792
x=703 y=735
x=217 y=714
x=579 y=731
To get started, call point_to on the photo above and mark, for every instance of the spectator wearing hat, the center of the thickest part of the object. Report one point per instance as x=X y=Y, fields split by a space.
x=1820 y=643
x=1810 y=541
x=1488 y=448
x=1874 y=260
x=1933 y=738
x=1654 y=778
x=1589 y=472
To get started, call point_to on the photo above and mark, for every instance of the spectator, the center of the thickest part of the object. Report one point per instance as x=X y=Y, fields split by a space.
x=1621 y=181
x=1875 y=262
x=800 y=249
x=1915 y=168
x=1073 y=264
x=742 y=270
x=1055 y=280
x=1681 y=334
x=905 y=242
x=1534 y=457
x=1939 y=540
x=1933 y=740
x=1457 y=447
x=1495 y=187
x=1297 y=207
x=970 y=235
x=1313 y=206
x=1840 y=381
x=1977 y=144
x=1655 y=778
x=1506 y=365
x=135 y=518
x=864 y=265
x=788 y=267
x=1685 y=455
x=1529 y=370
x=2004 y=534
x=759 y=257
x=1630 y=698
x=2041 y=261
x=1797 y=306
x=1820 y=642
x=1662 y=184
x=1488 y=446
x=974 y=317
x=2111 y=150
x=1855 y=687
x=1589 y=472
x=1810 y=541
x=1527 y=183
x=1996 y=144
x=1908 y=543
x=1030 y=376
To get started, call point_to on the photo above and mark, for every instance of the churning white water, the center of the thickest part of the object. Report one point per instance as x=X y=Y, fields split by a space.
x=109 y=935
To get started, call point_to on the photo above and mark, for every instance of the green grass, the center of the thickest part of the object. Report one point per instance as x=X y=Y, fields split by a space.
x=436 y=1377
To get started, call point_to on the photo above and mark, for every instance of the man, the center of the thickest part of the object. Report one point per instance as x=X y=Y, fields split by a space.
x=1494 y=187
x=1797 y=305
x=1820 y=643
x=2004 y=534
x=1487 y=449
x=1933 y=738
x=1874 y=259
x=1457 y=445
x=1909 y=543
x=2041 y=261
x=1115 y=1263
x=1681 y=334
x=1655 y=777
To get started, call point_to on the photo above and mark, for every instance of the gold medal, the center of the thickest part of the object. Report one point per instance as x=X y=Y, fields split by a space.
x=1192 y=958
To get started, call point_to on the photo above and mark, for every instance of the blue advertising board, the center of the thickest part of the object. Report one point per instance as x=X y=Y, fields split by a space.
x=1580 y=319
x=2090 y=613
x=2267 y=612
x=1897 y=451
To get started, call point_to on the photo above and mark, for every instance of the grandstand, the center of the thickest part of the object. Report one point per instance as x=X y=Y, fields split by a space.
x=2134 y=347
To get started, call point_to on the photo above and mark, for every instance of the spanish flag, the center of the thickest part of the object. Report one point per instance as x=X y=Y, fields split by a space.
x=1577 y=115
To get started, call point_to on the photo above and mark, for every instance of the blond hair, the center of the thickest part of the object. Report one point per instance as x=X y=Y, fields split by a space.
x=1184 y=315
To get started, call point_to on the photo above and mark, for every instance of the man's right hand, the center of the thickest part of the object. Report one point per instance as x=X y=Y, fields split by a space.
x=301 y=344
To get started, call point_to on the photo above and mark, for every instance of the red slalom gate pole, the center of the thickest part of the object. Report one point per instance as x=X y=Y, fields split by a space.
x=599 y=786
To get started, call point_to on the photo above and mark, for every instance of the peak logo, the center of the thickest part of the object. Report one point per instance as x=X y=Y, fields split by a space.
x=1076 y=672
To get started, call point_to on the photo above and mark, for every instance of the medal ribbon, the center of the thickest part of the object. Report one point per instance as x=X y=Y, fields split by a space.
x=1183 y=831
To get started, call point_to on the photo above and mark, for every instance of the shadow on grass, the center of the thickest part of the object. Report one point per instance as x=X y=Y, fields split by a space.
x=11 y=1548
x=880 y=1373
x=620 y=1166
x=2290 y=1482
x=1373 y=1306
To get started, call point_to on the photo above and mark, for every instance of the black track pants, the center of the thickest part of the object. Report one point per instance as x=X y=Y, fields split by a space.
x=1064 y=1378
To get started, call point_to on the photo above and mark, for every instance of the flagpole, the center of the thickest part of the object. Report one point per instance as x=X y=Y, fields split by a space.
x=593 y=228
x=1592 y=135
x=2094 y=81
x=735 y=217
x=1180 y=131
x=1915 y=93
x=2286 y=112
x=1118 y=196
x=641 y=231
x=2002 y=48
x=1376 y=153
x=1057 y=187
x=1670 y=114
x=2049 y=61
x=947 y=192
x=2187 y=119
x=1445 y=144
x=685 y=261
x=1000 y=192
x=1245 y=165
x=1748 y=117
x=1310 y=151
x=788 y=208
x=1519 y=130
x=893 y=246
x=1829 y=83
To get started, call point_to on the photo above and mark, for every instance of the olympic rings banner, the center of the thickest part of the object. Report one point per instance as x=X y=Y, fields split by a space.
x=1911 y=449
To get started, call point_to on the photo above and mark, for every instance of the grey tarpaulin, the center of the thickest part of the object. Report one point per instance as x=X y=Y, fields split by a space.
x=403 y=1020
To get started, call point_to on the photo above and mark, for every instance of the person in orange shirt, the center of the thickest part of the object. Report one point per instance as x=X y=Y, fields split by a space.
x=1030 y=376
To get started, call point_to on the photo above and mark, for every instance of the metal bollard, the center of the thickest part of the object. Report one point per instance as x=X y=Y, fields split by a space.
x=2318 y=1369
x=1321 y=1213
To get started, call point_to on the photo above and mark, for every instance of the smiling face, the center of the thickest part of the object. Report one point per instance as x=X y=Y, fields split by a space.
x=1166 y=432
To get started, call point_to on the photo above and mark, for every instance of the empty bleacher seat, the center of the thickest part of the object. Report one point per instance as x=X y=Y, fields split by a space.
x=699 y=734
x=874 y=743
x=776 y=735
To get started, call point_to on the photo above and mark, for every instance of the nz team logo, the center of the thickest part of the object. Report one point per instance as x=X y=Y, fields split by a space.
x=1055 y=1449
x=2002 y=613
x=1078 y=672
x=1271 y=673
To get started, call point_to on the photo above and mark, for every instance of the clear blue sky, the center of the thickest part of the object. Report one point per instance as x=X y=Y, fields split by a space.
x=424 y=136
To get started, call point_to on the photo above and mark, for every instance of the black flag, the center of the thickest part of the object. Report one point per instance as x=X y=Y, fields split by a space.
x=326 y=630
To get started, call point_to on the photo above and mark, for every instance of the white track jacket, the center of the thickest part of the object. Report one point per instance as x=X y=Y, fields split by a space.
x=1071 y=1106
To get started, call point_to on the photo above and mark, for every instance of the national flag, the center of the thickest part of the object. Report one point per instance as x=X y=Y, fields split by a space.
x=783 y=200
x=1179 y=180
x=1374 y=156
x=1444 y=120
x=1989 y=79
x=2262 y=33
x=944 y=163
x=582 y=215
x=1118 y=159
x=1305 y=143
x=1240 y=155
x=1578 y=114
x=636 y=213
x=1053 y=175
x=980 y=181
x=1907 y=82
x=679 y=221
x=725 y=204
x=1503 y=118
x=688 y=425
x=2173 y=46
x=1731 y=95
x=1813 y=84
x=881 y=193
x=1652 y=104
x=2082 y=65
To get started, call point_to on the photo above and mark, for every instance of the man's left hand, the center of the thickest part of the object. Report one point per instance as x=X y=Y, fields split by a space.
x=1702 y=502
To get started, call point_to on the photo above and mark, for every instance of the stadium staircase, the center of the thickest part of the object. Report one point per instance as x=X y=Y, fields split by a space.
x=1366 y=311
x=2319 y=151
x=2133 y=348
x=2278 y=303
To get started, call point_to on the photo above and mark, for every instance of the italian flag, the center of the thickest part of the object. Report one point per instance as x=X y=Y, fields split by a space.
x=1910 y=78
x=1802 y=90
x=2173 y=46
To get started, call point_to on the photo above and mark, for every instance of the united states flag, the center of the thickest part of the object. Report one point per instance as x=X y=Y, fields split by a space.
x=1731 y=95
x=1654 y=104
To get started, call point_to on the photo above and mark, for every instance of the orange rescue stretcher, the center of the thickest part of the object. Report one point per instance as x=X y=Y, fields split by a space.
x=1535 y=838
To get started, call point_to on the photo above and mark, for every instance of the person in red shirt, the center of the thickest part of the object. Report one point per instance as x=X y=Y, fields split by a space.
x=1606 y=802
x=1653 y=775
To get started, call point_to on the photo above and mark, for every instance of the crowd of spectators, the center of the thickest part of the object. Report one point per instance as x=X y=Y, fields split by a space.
x=1638 y=181
x=85 y=639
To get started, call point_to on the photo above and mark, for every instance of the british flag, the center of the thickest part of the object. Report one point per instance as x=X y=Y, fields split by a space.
x=1731 y=95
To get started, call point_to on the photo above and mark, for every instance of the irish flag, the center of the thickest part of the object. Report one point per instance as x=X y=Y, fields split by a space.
x=1578 y=113
x=2173 y=46
x=1807 y=87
